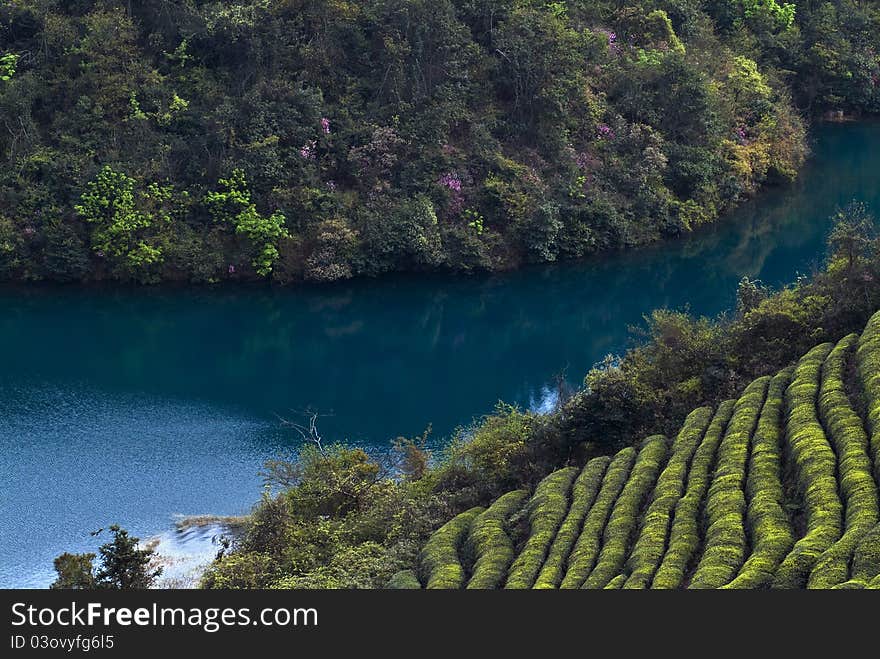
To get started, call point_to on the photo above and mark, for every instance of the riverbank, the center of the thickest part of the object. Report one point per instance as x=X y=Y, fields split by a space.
x=138 y=403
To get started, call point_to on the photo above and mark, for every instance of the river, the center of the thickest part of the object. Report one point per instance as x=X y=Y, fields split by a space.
x=137 y=405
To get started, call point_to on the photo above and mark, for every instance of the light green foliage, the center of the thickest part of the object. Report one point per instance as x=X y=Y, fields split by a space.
x=616 y=583
x=866 y=562
x=624 y=518
x=232 y=206
x=8 y=62
x=651 y=543
x=489 y=542
x=684 y=538
x=583 y=494
x=546 y=510
x=586 y=549
x=855 y=480
x=816 y=469
x=440 y=559
x=868 y=359
x=771 y=530
x=116 y=210
x=404 y=580
x=726 y=544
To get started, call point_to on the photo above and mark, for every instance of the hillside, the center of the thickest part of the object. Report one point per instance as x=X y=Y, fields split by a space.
x=321 y=140
x=778 y=488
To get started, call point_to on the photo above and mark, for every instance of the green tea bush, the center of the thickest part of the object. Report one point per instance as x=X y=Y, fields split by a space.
x=816 y=468
x=726 y=543
x=583 y=494
x=868 y=360
x=489 y=542
x=616 y=583
x=651 y=542
x=625 y=515
x=546 y=510
x=856 y=482
x=771 y=530
x=586 y=549
x=684 y=539
x=866 y=560
x=440 y=561
x=404 y=580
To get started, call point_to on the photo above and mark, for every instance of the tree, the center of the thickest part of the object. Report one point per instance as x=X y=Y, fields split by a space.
x=75 y=572
x=233 y=206
x=123 y=566
x=853 y=233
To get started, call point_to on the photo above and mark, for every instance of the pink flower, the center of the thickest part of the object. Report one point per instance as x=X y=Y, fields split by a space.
x=450 y=181
x=325 y=125
x=231 y=269
x=308 y=150
x=605 y=131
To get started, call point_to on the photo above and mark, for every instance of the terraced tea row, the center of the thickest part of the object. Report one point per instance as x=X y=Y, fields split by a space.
x=776 y=489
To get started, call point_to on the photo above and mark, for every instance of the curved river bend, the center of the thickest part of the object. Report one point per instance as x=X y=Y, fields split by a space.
x=135 y=405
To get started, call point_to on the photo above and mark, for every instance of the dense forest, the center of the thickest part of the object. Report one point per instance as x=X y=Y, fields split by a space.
x=182 y=140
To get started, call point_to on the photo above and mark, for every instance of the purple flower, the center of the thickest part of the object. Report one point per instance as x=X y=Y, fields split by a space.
x=325 y=125
x=231 y=269
x=741 y=135
x=331 y=185
x=308 y=150
x=605 y=132
x=450 y=181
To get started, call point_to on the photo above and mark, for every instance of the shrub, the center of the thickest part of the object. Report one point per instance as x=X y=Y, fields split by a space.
x=866 y=560
x=726 y=543
x=586 y=549
x=583 y=494
x=868 y=359
x=772 y=533
x=856 y=482
x=616 y=583
x=816 y=469
x=489 y=542
x=651 y=543
x=404 y=580
x=684 y=539
x=624 y=517
x=546 y=510
x=441 y=565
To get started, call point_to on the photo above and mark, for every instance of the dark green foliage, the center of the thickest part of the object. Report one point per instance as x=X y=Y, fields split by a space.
x=396 y=136
x=816 y=468
x=75 y=572
x=583 y=494
x=684 y=537
x=624 y=518
x=586 y=550
x=489 y=542
x=546 y=511
x=651 y=543
x=856 y=483
x=441 y=558
x=123 y=566
x=726 y=544
x=771 y=530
